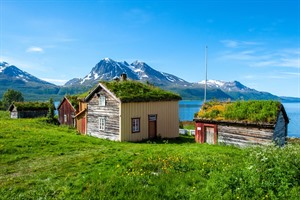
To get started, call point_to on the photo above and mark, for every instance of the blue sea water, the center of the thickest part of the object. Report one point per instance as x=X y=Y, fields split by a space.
x=187 y=109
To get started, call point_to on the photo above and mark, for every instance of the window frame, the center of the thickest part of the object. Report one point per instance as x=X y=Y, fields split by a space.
x=102 y=100
x=102 y=123
x=135 y=125
x=65 y=118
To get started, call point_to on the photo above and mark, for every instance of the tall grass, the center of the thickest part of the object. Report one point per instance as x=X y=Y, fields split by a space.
x=42 y=161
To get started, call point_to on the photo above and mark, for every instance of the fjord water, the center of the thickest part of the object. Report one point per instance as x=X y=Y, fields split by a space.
x=187 y=109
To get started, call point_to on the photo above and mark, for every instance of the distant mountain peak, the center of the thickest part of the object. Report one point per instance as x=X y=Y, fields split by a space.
x=13 y=72
x=107 y=69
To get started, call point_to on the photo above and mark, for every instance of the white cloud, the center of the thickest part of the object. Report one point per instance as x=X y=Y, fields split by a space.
x=261 y=57
x=34 y=49
x=230 y=43
x=238 y=44
x=55 y=81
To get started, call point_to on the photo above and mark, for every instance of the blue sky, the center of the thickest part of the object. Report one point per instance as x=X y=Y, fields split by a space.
x=256 y=42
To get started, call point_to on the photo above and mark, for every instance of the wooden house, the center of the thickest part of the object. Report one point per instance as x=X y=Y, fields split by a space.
x=242 y=123
x=67 y=111
x=28 y=109
x=131 y=111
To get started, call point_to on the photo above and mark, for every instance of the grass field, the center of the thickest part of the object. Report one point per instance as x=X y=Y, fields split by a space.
x=42 y=161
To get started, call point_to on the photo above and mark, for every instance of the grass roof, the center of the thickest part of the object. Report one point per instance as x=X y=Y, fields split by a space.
x=23 y=106
x=257 y=111
x=134 y=91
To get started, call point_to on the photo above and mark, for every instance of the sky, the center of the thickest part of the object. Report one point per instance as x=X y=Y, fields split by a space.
x=256 y=42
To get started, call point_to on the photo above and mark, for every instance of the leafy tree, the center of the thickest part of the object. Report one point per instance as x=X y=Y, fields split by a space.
x=11 y=96
x=51 y=110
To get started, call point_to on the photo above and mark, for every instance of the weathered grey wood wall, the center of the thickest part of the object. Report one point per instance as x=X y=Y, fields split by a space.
x=28 y=114
x=244 y=136
x=280 y=131
x=111 y=113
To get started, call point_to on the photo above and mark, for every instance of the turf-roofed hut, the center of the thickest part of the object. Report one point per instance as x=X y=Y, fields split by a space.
x=242 y=123
x=28 y=109
x=131 y=111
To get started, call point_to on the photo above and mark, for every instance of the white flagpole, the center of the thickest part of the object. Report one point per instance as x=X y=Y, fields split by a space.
x=205 y=75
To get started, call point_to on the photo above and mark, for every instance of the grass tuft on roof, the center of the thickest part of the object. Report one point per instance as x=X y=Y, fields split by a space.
x=134 y=91
x=23 y=106
x=257 y=111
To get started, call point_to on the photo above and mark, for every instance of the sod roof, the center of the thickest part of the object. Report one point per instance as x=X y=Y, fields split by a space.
x=26 y=106
x=253 y=111
x=134 y=91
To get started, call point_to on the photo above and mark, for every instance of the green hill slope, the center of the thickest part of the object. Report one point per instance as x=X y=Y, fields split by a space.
x=42 y=161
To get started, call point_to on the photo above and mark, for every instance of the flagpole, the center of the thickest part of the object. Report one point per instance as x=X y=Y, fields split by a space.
x=205 y=75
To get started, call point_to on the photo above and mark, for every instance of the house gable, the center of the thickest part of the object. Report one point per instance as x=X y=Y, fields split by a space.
x=66 y=113
x=103 y=120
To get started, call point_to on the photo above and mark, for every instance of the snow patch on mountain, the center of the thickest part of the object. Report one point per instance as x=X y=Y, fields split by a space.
x=215 y=83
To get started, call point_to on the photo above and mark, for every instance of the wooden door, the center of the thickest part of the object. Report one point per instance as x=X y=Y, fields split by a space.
x=152 y=126
x=83 y=123
x=209 y=135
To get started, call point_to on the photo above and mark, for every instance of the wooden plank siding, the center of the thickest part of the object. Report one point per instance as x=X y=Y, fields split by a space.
x=81 y=117
x=66 y=113
x=111 y=113
x=244 y=136
x=167 y=119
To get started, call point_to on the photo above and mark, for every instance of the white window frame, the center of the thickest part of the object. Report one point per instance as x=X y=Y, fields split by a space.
x=135 y=125
x=65 y=118
x=102 y=100
x=102 y=123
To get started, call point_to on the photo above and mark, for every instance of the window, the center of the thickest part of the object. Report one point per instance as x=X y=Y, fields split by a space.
x=65 y=118
x=102 y=123
x=135 y=125
x=102 y=100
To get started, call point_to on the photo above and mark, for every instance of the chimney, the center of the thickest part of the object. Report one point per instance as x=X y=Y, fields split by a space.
x=123 y=77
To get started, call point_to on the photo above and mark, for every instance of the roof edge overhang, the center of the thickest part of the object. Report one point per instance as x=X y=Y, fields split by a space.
x=235 y=123
x=66 y=99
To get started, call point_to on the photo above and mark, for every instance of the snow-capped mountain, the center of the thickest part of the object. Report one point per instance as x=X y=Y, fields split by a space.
x=8 y=71
x=31 y=87
x=107 y=69
x=226 y=86
x=237 y=90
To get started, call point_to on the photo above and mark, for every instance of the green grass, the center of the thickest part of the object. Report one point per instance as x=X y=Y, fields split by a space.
x=42 y=161
x=262 y=111
x=134 y=91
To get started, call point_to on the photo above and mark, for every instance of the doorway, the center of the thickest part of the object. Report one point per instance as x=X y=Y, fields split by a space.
x=209 y=133
x=152 y=126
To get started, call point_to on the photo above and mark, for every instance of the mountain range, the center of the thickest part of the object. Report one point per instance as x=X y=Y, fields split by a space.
x=107 y=69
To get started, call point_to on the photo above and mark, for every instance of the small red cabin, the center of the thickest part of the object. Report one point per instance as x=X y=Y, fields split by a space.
x=66 y=113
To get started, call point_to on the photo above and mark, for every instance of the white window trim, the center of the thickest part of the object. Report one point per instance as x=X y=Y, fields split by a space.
x=135 y=125
x=102 y=123
x=102 y=100
x=65 y=118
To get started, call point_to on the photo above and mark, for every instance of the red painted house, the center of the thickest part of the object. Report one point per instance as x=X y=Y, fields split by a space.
x=66 y=112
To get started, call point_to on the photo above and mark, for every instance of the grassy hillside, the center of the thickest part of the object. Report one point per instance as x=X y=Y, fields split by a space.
x=41 y=161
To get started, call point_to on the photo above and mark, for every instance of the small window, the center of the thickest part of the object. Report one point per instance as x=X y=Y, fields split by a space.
x=102 y=123
x=102 y=100
x=135 y=125
x=65 y=118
